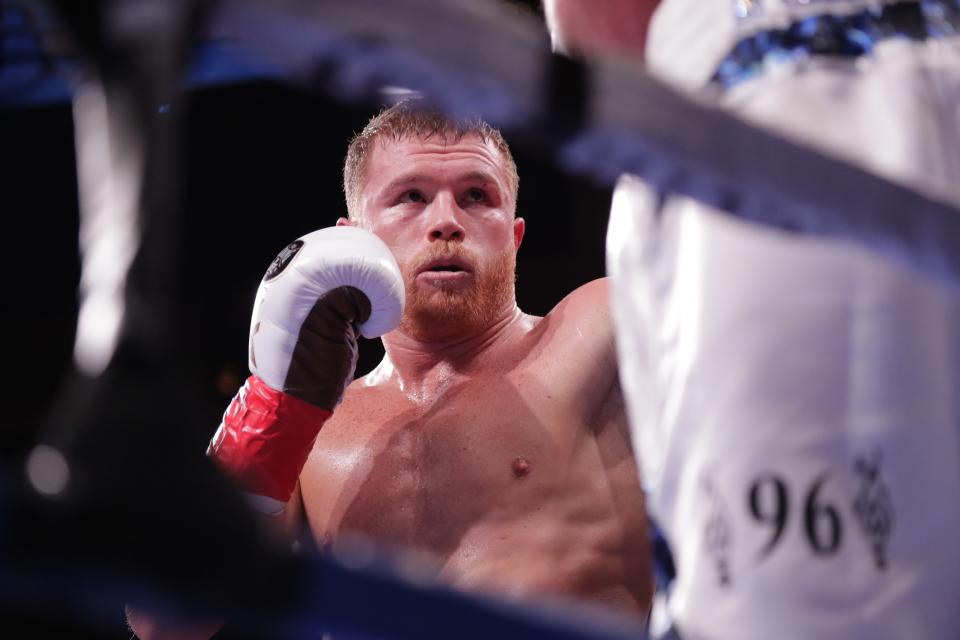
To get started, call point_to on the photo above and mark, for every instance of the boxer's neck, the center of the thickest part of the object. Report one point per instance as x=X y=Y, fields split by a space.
x=422 y=365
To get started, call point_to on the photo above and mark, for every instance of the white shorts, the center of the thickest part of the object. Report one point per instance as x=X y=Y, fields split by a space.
x=795 y=402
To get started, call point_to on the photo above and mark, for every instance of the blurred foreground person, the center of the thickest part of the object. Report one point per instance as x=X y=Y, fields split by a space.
x=793 y=401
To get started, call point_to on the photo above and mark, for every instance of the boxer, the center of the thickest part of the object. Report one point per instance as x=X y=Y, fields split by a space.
x=489 y=440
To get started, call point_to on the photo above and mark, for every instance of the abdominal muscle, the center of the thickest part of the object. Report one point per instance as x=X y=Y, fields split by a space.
x=515 y=502
x=538 y=559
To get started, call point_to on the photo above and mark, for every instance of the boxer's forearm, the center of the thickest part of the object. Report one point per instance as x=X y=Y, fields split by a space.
x=263 y=442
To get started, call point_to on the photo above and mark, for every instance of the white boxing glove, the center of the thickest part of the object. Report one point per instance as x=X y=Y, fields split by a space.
x=319 y=293
x=295 y=318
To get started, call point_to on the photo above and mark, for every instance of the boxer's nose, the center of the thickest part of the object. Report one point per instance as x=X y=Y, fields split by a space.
x=445 y=219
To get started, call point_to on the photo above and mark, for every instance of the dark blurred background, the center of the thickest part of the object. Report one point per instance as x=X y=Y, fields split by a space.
x=262 y=166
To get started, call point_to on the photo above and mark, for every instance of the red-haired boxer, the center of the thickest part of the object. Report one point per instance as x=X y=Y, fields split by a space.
x=491 y=441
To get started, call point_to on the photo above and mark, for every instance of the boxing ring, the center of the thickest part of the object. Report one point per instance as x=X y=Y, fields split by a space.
x=126 y=69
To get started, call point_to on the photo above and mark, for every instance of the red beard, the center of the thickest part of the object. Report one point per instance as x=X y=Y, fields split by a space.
x=435 y=313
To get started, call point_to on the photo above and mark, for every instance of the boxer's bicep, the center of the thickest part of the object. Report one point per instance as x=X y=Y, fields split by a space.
x=594 y=321
x=588 y=345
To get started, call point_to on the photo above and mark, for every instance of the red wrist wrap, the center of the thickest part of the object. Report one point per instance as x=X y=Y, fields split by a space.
x=265 y=438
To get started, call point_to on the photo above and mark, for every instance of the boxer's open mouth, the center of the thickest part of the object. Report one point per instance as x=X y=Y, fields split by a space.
x=446 y=272
x=446 y=265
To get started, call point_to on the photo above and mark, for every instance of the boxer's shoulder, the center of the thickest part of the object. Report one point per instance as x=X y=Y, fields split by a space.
x=581 y=322
x=585 y=307
x=571 y=350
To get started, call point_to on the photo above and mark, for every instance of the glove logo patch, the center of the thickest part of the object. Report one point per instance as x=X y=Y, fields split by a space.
x=284 y=258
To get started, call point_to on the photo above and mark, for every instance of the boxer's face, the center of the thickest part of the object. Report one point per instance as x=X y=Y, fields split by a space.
x=446 y=212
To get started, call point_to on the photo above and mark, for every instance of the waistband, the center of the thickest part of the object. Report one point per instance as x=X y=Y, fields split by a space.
x=844 y=36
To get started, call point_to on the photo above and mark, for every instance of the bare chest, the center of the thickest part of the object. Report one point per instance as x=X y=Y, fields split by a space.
x=489 y=449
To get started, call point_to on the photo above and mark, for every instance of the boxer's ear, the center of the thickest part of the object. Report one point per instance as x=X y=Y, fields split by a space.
x=519 y=227
x=345 y=222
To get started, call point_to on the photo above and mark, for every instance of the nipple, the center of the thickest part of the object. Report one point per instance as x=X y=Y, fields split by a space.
x=521 y=467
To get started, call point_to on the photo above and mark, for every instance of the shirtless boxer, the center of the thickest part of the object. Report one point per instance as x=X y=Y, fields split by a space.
x=491 y=440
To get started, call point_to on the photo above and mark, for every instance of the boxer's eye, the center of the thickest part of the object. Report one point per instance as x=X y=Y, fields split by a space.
x=475 y=195
x=413 y=195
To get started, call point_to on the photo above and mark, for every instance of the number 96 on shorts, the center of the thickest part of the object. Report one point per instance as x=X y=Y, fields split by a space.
x=772 y=518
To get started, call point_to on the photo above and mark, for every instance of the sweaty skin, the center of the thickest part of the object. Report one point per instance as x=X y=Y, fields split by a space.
x=497 y=442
